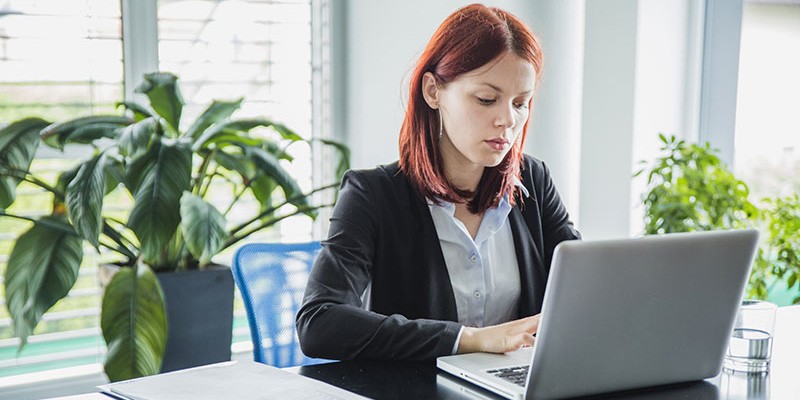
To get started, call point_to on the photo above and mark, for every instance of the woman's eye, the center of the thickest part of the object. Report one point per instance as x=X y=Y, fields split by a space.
x=520 y=105
x=485 y=101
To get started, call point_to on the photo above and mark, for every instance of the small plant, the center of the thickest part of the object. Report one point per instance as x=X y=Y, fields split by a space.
x=779 y=255
x=169 y=171
x=690 y=189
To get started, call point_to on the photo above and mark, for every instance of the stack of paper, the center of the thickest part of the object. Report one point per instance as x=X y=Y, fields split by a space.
x=241 y=380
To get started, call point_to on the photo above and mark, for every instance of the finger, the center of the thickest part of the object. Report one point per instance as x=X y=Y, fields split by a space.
x=521 y=340
x=527 y=325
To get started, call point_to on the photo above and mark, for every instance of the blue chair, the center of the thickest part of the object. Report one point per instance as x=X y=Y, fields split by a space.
x=272 y=278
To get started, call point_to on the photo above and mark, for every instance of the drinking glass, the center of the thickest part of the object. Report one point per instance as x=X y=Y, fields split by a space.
x=750 y=346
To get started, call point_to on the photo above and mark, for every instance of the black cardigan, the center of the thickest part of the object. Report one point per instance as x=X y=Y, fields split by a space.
x=382 y=232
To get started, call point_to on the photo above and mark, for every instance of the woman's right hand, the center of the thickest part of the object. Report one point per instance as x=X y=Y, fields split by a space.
x=501 y=338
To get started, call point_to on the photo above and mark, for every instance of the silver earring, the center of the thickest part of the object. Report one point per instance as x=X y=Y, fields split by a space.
x=441 y=126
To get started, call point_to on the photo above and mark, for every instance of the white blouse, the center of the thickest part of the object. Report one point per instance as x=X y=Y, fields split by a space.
x=483 y=272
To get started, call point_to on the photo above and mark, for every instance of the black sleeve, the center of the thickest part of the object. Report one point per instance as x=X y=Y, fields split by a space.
x=556 y=225
x=331 y=322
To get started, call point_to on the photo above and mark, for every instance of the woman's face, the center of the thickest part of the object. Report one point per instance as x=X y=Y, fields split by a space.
x=483 y=111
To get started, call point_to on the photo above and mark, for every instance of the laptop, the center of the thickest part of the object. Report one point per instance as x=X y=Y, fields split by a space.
x=625 y=314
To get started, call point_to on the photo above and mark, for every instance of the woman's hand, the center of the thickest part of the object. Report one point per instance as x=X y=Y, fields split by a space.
x=501 y=338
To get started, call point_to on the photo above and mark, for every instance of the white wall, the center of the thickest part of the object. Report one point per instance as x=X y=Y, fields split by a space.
x=608 y=102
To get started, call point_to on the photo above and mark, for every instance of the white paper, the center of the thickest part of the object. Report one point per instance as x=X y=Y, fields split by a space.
x=244 y=380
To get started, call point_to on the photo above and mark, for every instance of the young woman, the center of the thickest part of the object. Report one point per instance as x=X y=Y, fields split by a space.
x=448 y=250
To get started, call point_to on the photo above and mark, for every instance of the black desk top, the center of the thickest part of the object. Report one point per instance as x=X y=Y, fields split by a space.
x=401 y=381
x=408 y=380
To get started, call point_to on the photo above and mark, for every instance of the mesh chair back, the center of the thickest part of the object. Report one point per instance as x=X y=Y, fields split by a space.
x=272 y=278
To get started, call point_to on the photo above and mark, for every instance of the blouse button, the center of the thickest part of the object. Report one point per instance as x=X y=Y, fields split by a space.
x=476 y=294
x=473 y=258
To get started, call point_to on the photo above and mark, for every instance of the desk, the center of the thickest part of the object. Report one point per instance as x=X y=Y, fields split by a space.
x=404 y=380
x=397 y=380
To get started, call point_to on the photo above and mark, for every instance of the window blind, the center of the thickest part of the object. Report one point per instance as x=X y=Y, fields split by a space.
x=59 y=59
x=63 y=58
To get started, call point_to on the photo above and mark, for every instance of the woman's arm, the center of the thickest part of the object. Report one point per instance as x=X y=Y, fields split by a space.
x=556 y=225
x=332 y=323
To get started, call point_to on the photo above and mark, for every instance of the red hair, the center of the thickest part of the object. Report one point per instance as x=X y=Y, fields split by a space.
x=468 y=39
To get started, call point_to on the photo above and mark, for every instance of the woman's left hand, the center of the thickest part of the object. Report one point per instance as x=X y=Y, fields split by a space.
x=500 y=338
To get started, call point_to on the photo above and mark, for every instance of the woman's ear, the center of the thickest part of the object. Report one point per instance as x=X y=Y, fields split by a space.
x=430 y=91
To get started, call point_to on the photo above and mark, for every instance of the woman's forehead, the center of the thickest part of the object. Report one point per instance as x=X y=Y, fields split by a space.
x=506 y=73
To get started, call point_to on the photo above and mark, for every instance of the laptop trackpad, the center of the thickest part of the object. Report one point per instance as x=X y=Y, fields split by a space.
x=486 y=361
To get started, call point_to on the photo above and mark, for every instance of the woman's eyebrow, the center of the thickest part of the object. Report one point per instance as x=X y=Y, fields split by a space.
x=497 y=88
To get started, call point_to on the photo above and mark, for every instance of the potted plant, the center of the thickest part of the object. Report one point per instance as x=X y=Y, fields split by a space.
x=169 y=171
x=690 y=189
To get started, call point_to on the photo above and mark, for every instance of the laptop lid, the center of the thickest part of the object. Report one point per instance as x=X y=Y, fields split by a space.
x=628 y=313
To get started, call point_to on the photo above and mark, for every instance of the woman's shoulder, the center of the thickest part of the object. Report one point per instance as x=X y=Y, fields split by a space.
x=531 y=162
x=386 y=179
x=380 y=175
x=534 y=168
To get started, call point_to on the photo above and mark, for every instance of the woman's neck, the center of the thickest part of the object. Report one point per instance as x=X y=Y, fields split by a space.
x=460 y=171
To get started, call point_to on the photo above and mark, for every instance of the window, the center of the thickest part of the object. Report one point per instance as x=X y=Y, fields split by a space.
x=223 y=49
x=767 y=151
x=74 y=67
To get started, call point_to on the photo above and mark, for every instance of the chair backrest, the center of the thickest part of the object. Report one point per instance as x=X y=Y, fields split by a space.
x=272 y=278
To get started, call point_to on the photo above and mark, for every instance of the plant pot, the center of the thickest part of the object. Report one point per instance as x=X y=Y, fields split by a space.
x=199 y=305
x=199 y=316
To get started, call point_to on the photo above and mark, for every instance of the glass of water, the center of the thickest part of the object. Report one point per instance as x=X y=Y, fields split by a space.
x=750 y=346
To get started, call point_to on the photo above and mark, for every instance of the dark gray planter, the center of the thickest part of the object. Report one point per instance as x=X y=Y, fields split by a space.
x=199 y=316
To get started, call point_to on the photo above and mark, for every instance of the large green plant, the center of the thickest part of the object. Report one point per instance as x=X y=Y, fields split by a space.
x=690 y=189
x=170 y=171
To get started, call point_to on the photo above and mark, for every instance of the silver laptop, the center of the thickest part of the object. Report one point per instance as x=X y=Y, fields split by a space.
x=625 y=314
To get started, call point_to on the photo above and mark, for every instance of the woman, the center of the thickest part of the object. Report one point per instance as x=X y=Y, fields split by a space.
x=448 y=250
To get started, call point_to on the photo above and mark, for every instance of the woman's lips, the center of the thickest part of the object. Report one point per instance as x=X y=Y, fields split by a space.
x=497 y=144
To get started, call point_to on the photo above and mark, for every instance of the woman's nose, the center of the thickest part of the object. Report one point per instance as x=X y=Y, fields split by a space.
x=505 y=116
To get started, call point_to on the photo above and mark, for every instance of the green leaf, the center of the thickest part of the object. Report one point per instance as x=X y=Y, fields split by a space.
x=268 y=165
x=135 y=138
x=203 y=227
x=216 y=112
x=343 y=157
x=236 y=162
x=42 y=268
x=57 y=135
x=165 y=97
x=243 y=125
x=262 y=189
x=286 y=133
x=134 y=324
x=59 y=201
x=18 y=143
x=140 y=112
x=234 y=138
x=88 y=133
x=85 y=199
x=157 y=180
x=115 y=172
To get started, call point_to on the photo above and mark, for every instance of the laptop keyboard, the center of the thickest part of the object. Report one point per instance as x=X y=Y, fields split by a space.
x=516 y=375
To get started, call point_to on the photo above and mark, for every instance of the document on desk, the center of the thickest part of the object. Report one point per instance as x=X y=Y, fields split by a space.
x=243 y=380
